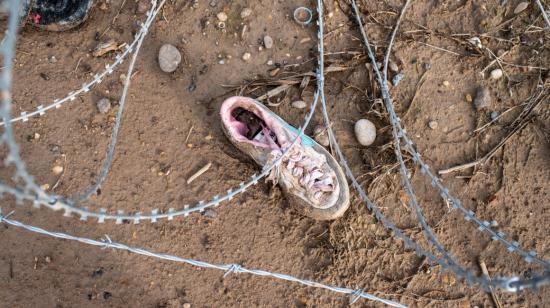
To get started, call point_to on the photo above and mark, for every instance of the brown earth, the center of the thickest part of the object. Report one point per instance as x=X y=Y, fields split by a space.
x=155 y=157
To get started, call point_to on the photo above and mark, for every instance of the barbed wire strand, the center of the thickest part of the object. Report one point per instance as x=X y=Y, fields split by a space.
x=228 y=268
x=506 y=283
x=89 y=191
x=356 y=185
x=86 y=87
x=399 y=133
x=54 y=202
x=543 y=13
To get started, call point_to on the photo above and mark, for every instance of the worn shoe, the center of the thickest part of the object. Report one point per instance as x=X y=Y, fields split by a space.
x=310 y=177
x=59 y=15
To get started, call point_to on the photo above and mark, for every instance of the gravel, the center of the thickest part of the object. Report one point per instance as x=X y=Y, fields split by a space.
x=103 y=105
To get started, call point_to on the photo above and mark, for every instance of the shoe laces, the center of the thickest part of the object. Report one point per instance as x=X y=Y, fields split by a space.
x=305 y=169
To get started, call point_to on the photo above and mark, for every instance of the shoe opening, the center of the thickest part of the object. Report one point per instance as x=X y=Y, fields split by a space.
x=254 y=128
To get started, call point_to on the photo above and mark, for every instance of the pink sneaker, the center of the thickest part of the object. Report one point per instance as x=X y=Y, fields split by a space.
x=311 y=178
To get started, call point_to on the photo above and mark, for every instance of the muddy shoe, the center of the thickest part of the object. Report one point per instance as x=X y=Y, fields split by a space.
x=311 y=178
x=59 y=15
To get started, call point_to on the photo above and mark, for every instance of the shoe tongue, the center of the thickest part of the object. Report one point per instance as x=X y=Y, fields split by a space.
x=261 y=137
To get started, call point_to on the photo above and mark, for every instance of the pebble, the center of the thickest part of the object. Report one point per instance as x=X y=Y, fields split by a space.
x=469 y=98
x=493 y=115
x=393 y=67
x=269 y=62
x=365 y=132
x=103 y=105
x=268 y=42
x=321 y=136
x=169 y=58
x=476 y=42
x=433 y=125
x=299 y=104
x=52 y=59
x=186 y=305
x=222 y=16
x=213 y=3
x=246 y=12
x=210 y=214
x=483 y=99
x=57 y=170
x=521 y=7
x=246 y=56
x=446 y=83
x=496 y=73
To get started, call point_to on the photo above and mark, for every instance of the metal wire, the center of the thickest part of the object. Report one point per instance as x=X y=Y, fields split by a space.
x=543 y=13
x=33 y=193
x=228 y=268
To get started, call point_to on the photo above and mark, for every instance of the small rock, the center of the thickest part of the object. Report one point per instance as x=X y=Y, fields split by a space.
x=213 y=3
x=57 y=170
x=52 y=59
x=475 y=41
x=269 y=62
x=103 y=105
x=246 y=56
x=210 y=214
x=433 y=125
x=446 y=83
x=268 y=42
x=521 y=7
x=169 y=58
x=469 y=98
x=36 y=136
x=493 y=115
x=496 y=73
x=246 y=12
x=299 y=104
x=45 y=186
x=365 y=132
x=186 y=305
x=393 y=67
x=483 y=99
x=122 y=78
x=48 y=259
x=321 y=136
x=222 y=16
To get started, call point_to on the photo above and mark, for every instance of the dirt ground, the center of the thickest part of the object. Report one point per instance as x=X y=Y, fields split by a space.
x=172 y=128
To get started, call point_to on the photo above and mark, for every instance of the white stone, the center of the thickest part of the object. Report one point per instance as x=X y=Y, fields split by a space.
x=365 y=132
x=103 y=105
x=169 y=58
x=222 y=16
x=57 y=170
x=299 y=104
x=268 y=42
x=246 y=56
x=246 y=12
x=496 y=73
